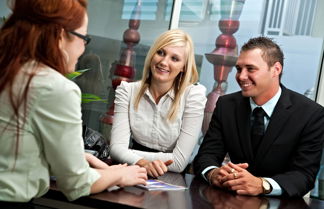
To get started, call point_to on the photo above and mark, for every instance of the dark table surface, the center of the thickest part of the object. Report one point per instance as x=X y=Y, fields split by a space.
x=199 y=195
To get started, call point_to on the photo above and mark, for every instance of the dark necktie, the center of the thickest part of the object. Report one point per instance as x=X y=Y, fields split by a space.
x=258 y=128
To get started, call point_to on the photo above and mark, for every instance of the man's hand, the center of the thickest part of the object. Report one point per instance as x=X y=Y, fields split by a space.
x=216 y=176
x=155 y=168
x=240 y=180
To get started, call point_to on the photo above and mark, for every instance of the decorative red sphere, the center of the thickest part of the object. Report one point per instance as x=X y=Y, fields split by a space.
x=131 y=36
x=226 y=41
x=228 y=26
x=124 y=71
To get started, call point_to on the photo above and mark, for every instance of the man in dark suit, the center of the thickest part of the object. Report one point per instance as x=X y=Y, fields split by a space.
x=278 y=154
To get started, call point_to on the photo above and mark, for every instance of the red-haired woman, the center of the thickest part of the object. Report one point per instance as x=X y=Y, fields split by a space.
x=40 y=114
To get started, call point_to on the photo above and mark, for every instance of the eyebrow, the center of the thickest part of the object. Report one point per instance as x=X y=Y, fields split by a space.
x=173 y=53
x=240 y=66
x=179 y=56
x=250 y=65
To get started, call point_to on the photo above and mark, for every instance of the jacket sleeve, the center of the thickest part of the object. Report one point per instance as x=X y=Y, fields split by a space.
x=304 y=165
x=212 y=150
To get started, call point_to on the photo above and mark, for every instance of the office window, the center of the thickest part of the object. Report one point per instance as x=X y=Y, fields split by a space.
x=191 y=10
x=148 y=9
x=302 y=49
x=289 y=17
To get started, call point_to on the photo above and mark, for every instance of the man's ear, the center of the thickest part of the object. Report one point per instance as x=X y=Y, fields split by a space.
x=277 y=68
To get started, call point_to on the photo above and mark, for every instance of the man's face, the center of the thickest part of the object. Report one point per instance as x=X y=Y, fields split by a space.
x=255 y=77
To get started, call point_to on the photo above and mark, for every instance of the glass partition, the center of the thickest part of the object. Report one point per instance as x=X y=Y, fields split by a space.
x=122 y=32
x=220 y=27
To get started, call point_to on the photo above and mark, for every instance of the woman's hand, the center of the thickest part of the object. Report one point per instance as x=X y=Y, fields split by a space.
x=131 y=175
x=155 y=168
x=94 y=162
x=119 y=175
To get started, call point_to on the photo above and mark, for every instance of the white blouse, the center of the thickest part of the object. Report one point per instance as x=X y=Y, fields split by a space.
x=149 y=125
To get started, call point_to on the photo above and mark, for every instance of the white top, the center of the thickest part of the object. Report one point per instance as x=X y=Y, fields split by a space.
x=50 y=143
x=149 y=125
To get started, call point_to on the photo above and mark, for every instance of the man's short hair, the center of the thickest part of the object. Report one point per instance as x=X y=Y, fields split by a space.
x=271 y=51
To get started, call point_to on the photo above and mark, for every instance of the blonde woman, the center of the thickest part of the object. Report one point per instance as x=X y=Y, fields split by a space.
x=158 y=119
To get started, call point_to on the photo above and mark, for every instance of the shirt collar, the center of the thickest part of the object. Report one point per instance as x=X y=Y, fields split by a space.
x=269 y=106
x=170 y=93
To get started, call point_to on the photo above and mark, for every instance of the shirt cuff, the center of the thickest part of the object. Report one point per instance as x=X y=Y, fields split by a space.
x=205 y=171
x=276 y=189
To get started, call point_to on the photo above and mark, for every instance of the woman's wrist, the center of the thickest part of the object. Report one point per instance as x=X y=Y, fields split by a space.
x=142 y=162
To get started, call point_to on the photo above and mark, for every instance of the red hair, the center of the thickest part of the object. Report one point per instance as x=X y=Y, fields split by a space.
x=32 y=33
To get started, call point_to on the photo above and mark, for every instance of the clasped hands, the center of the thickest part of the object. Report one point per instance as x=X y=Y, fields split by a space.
x=235 y=177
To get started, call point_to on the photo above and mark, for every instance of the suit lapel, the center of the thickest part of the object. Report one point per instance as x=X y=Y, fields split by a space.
x=277 y=122
x=243 y=111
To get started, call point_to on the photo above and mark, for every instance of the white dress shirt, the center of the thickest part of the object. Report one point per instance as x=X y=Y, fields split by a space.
x=149 y=125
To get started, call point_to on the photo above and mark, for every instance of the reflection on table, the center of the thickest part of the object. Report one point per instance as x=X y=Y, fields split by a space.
x=199 y=195
x=152 y=199
x=210 y=197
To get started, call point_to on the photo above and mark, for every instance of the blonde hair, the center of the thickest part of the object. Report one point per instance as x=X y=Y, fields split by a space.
x=174 y=37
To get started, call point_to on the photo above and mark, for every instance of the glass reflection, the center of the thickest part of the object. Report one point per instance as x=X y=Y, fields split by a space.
x=205 y=196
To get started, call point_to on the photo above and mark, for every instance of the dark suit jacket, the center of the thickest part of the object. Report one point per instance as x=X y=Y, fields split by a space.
x=290 y=151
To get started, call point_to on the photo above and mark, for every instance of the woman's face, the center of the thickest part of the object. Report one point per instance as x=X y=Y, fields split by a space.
x=74 y=46
x=167 y=63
